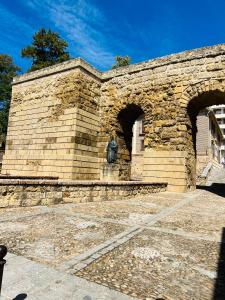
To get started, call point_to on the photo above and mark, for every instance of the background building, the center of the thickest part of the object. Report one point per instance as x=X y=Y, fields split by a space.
x=209 y=141
x=137 y=149
x=219 y=111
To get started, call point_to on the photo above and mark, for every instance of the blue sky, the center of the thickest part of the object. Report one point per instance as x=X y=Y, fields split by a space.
x=98 y=30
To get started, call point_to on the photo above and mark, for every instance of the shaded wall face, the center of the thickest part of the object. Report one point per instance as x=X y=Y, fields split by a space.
x=53 y=128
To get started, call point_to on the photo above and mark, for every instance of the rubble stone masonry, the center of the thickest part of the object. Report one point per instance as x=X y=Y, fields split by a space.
x=16 y=192
x=62 y=117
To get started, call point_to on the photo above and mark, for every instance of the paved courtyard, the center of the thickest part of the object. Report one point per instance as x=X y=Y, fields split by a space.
x=164 y=246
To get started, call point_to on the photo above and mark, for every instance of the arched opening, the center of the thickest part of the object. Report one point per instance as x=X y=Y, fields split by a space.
x=131 y=135
x=126 y=118
x=205 y=139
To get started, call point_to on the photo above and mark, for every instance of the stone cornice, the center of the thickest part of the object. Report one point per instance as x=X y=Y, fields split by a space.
x=77 y=63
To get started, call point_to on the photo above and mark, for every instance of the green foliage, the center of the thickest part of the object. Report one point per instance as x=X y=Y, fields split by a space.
x=121 y=61
x=7 y=71
x=47 y=49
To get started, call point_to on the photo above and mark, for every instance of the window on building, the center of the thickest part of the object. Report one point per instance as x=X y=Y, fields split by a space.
x=142 y=127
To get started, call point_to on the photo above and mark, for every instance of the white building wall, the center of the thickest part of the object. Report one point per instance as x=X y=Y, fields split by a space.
x=219 y=111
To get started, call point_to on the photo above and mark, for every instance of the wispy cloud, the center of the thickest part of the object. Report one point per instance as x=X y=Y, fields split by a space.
x=13 y=27
x=83 y=25
x=14 y=32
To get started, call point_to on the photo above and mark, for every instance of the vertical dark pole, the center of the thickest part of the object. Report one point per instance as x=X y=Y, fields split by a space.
x=3 y=252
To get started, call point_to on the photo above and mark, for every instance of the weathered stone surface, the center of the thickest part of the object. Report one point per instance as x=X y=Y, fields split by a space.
x=162 y=246
x=47 y=192
x=62 y=117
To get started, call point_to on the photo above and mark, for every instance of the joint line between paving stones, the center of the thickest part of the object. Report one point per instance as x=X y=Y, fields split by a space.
x=185 y=235
x=83 y=260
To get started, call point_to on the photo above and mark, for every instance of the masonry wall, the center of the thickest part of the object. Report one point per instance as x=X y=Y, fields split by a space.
x=62 y=117
x=171 y=91
x=53 y=127
x=15 y=193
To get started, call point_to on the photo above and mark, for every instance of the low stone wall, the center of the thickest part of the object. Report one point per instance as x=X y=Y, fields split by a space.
x=19 y=192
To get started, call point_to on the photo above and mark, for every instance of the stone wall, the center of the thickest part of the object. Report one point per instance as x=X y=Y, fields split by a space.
x=53 y=127
x=50 y=106
x=171 y=91
x=15 y=193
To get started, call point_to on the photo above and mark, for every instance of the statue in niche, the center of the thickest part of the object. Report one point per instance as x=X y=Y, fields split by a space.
x=112 y=150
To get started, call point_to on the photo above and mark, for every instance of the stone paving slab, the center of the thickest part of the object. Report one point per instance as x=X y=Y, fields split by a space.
x=205 y=216
x=38 y=281
x=204 y=224
x=112 y=240
x=158 y=265
x=129 y=212
x=52 y=238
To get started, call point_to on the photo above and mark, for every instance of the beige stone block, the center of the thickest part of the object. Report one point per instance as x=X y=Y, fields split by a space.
x=177 y=188
x=169 y=180
x=66 y=169
x=89 y=115
x=163 y=161
x=87 y=125
x=173 y=168
x=72 y=111
x=170 y=154
x=67 y=117
x=84 y=119
x=165 y=174
x=92 y=131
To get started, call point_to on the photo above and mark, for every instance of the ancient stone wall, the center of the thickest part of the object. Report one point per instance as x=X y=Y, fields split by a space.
x=53 y=127
x=15 y=193
x=48 y=105
x=171 y=91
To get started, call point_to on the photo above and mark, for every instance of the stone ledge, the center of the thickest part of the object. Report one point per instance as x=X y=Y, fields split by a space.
x=14 y=192
x=75 y=182
x=58 y=68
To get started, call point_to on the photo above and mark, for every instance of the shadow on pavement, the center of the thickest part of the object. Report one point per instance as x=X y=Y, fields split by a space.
x=216 y=188
x=219 y=288
x=20 y=297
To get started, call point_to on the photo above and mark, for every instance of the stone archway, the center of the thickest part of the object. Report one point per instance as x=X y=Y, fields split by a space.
x=120 y=120
x=172 y=160
x=141 y=100
x=126 y=118
x=200 y=96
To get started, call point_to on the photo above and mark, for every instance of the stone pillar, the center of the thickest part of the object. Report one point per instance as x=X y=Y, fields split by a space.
x=168 y=167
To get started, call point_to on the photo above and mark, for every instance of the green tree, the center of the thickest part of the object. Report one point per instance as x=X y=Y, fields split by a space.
x=7 y=71
x=47 y=49
x=121 y=61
